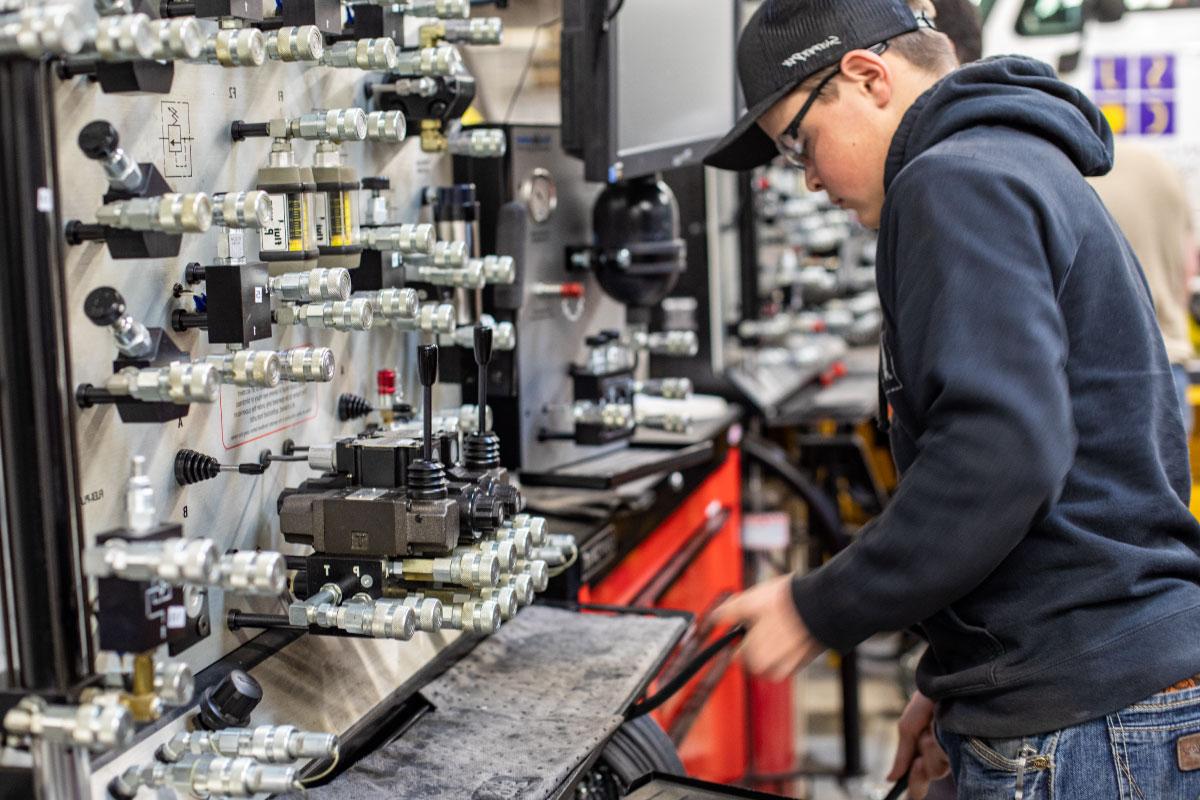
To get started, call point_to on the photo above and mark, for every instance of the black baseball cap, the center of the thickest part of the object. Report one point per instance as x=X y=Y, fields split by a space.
x=785 y=42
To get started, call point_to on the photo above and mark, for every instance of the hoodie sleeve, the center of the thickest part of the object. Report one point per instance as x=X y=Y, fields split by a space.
x=980 y=350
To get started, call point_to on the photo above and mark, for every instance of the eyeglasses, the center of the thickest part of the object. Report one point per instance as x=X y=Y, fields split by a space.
x=789 y=143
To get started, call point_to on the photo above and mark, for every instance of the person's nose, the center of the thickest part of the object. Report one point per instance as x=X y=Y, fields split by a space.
x=812 y=180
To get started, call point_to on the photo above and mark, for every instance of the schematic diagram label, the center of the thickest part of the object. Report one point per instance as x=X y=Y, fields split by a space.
x=248 y=415
x=176 y=136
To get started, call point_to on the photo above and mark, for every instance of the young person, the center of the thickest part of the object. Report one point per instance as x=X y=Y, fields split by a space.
x=1040 y=535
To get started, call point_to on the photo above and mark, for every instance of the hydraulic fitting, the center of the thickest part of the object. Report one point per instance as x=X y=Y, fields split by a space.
x=381 y=619
x=403 y=239
x=472 y=616
x=368 y=54
x=428 y=611
x=314 y=285
x=442 y=9
x=338 y=315
x=175 y=561
x=429 y=62
x=241 y=209
x=469 y=277
x=386 y=126
x=668 y=343
x=125 y=37
x=236 y=47
x=399 y=306
x=504 y=335
x=252 y=572
x=499 y=269
x=99 y=725
x=40 y=30
x=180 y=382
x=445 y=255
x=431 y=318
x=177 y=39
x=478 y=143
x=273 y=744
x=257 y=368
x=209 y=775
x=307 y=364
x=465 y=569
x=167 y=213
x=295 y=43
x=477 y=30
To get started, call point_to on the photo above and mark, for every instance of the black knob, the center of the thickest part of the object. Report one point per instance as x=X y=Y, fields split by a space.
x=509 y=497
x=428 y=364
x=483 y=345
x=240 y=129
x=610 y=335
x=229 y=703
x=376 y=183
x=596 y=340
x=194 y=467
x=351 y=406
x=98 y=140
x=484 y=512
x=104 y=306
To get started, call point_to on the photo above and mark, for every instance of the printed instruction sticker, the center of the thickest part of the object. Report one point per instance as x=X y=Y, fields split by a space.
x=249 y=414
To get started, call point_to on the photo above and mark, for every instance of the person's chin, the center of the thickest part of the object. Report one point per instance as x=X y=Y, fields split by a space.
x=868 y=219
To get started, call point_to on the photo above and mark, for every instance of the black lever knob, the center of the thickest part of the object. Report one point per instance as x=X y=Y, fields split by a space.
x=99 y=140
x=193 y=467
x=229 y=703
x=351 y=406
x=483 y=345
x=427 y=359
x=104 y=306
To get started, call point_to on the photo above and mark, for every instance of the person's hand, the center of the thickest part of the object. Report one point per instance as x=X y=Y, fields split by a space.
x=918 y=755
x=777 y=643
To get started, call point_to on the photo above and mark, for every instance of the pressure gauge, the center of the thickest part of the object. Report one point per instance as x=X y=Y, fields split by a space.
x=540 y=195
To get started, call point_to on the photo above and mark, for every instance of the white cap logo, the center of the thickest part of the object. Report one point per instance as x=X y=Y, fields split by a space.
x=808 y=52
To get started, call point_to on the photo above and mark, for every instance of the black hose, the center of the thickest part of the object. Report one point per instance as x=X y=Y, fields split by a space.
x=898 y=789
x=827 y=523
x=686 y=674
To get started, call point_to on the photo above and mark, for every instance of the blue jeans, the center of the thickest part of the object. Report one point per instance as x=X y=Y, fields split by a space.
x=1133 y=754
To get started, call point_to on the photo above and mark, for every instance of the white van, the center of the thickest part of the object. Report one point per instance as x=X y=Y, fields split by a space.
x=1138 y=60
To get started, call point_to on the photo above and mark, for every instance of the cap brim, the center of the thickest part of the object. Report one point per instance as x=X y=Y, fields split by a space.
x=747 y=146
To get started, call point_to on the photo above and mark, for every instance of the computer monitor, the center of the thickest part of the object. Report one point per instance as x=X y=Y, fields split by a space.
x=647 y=85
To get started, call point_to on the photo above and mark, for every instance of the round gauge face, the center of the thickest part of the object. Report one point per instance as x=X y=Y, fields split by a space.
x=540 y=195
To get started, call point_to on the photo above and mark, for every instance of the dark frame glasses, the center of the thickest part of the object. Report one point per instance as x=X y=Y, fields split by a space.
x=789 y=144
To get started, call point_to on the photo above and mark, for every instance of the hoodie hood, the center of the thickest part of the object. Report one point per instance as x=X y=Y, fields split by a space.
x=1007 y=91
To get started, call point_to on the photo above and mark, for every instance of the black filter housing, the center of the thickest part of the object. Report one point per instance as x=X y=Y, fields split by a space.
x=638 y=254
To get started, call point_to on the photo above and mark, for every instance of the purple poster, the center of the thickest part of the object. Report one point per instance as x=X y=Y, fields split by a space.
x=1110 y=73
x=1156 y=72
x=1157 y=118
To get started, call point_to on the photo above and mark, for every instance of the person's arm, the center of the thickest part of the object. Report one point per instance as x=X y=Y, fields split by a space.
x=1191 y=260
x=981 y=350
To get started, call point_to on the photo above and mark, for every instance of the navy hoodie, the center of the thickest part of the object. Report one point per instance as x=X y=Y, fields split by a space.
x=1040 y=535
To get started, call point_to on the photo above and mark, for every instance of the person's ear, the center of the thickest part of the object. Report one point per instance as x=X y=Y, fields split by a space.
x=872 y=75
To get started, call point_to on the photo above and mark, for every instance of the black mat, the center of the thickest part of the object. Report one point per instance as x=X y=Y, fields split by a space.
x=518 y=715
